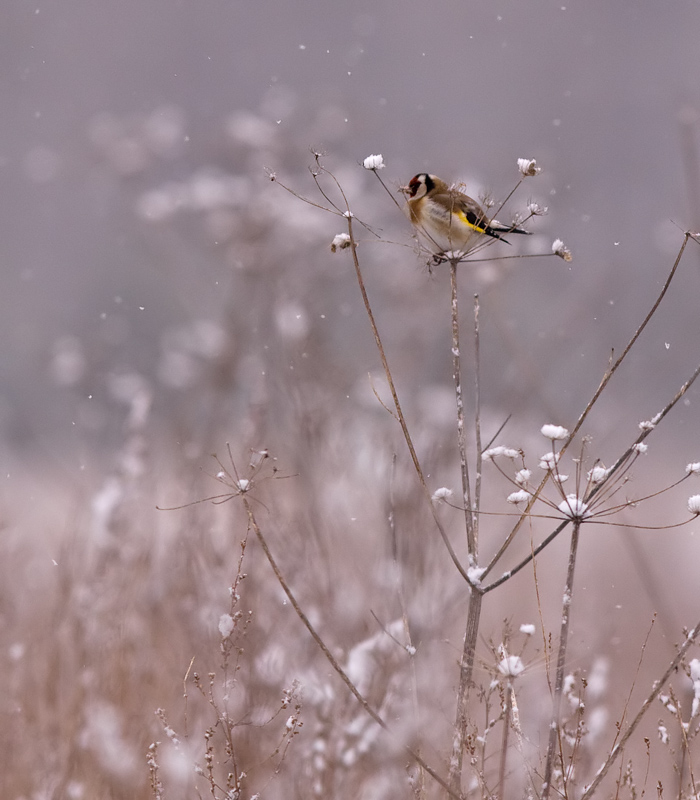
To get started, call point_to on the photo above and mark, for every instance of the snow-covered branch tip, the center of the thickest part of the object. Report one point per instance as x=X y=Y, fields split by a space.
x=554 y=432
x=561 y=250
x=528 y=167
x=341 y=241
x=374 y=162
x=694 y=504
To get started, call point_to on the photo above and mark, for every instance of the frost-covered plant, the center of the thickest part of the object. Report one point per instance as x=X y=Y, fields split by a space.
x=219 y=766
x=596 y=489
x=378 y=668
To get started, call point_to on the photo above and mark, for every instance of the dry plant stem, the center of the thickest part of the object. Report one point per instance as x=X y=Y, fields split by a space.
x=656 y=690
x=633 y=683
x=503 y=202
x=466 y=669
x=474 y=613
x=329 y=656
x=507 y=712
x=584 y=415
x=685 y=759
x=553 y=746
x=611 y=371
x=388 y=191
x=461 y=438
x=402 y=602
x=397 y=405
x=477 y=422
x=616 y=466
x=184 y=692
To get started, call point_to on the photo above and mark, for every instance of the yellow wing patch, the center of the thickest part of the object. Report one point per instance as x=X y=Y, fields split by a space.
x=462 y=217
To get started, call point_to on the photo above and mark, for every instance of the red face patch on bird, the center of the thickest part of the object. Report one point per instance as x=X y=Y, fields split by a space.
x=420 y=185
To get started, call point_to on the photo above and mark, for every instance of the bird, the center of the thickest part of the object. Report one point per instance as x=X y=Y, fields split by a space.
x=450 y=220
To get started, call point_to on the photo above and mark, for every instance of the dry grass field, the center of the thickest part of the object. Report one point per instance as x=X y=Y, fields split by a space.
x=269 y=588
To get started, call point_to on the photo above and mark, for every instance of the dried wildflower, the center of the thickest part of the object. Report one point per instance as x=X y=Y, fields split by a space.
x=518 y=497
x=511 y=666
x=522 y=476
x=340 y=242
x=640 y=448
x=442 y=493
x=554 y=432
x=561 y=250
x=548 y=461
x=693 y=469
x=536 y=209
x=528 y=167
x=492 y=452
x=226 y=625
x=574 y=508
x=374 y=162
x=694 y=504
x=598 y=474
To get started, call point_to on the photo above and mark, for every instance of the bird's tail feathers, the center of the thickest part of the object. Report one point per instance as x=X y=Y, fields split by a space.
x=500 y=227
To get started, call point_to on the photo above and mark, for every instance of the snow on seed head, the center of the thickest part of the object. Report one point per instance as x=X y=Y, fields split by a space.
x=574 y=508
x=554 y=432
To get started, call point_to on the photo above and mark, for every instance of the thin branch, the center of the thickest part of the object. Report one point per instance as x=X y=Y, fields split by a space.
x=507 y=198
x=466 y=670
x=329 y=656
x=554 y=745
x=656 y=690
x=604 y=382
x=618 y=464
x=461 y=438
x=397 y=404
x=548 y=254
x=389 y=192
x=391 y=519
x=301 y=197
x=628 y=699
x=507 y=713
x=477 y=422
x=613 y=369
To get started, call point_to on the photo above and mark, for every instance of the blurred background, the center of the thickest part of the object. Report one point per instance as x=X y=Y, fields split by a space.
x=135 y=140
x=160 y=296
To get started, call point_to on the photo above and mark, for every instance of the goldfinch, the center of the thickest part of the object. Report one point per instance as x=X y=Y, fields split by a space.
x=447 y=218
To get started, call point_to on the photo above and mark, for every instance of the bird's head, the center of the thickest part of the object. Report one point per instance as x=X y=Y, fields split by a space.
x=422 y=184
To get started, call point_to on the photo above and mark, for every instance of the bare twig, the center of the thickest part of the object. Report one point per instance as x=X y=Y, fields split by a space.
x=656 y=690
x=683 y=728
x=466 y=670
x=461 y=437
x=591 y=403
x=554 y=745
x=397 y=404
x=391 y=518
x=613 y=470
x=477 y=422
x=329 y=656
x=507 y=713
